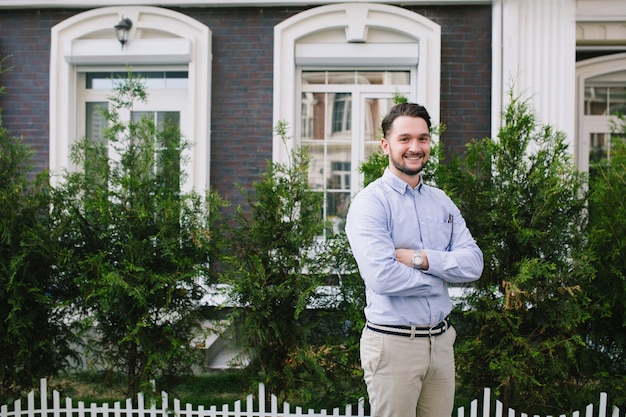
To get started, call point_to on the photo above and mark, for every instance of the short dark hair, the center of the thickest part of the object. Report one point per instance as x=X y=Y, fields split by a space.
x=404 y=109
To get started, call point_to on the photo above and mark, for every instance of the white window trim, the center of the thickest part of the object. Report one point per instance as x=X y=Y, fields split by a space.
x=588 y=69
x=89 y=39
x=355 y=19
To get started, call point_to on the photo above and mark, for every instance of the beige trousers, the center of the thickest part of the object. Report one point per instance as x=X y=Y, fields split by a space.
x=409 y=377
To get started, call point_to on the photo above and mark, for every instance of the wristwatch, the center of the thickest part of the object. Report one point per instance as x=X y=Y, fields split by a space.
x=417 y=260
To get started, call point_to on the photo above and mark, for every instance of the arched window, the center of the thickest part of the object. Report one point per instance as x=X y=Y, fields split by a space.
x=601 y=91
x=336 y=70
x=170 y=51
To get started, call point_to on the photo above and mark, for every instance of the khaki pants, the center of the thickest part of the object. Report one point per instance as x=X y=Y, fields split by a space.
x=409 y=377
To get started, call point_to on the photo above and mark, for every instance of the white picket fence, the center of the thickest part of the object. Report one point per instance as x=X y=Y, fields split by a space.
x=67 y=408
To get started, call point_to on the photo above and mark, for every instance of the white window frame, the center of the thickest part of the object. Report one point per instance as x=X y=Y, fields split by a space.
x=159 y=38
x=587 y=125
x=360 y=35
x=159 y=100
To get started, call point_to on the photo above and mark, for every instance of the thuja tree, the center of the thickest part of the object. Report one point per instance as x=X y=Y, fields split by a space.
x=34 y=338
x=275 y=267
x=524 y=200
x=605 y=361
x=135 y=246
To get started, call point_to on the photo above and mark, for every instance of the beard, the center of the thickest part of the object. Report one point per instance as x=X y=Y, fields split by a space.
x=406 y=170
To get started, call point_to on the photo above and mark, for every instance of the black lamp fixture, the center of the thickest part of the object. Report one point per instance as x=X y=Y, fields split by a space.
x=122 y=29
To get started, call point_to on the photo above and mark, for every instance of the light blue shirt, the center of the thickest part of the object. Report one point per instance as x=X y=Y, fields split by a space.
x=388 y=215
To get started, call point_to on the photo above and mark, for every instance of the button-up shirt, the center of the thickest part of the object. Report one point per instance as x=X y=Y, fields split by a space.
x=387 y=215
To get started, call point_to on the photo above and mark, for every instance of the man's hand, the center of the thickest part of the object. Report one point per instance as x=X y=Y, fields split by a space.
x=405 y=256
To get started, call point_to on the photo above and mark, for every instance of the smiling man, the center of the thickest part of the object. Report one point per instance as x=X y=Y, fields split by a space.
x=409 y=240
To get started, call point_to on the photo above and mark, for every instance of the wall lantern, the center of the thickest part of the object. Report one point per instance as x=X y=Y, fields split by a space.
x=122 y=29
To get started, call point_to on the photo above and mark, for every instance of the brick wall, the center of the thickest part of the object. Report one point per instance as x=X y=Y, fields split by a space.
x=465 y=73
x=242 y=83
x=25 y=45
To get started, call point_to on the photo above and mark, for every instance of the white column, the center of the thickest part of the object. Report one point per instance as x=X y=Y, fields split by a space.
x=535 y=51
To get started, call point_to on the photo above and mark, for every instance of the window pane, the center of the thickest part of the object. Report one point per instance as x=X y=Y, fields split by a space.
x=314 y=77
x=341 y=112
x=153 y=79
x=599 y=148
x=341 y=77
x=316 y=165
x=168 y=148
x=596 y=100
x=356 y=77
x=384 y=77
x=167 y=119
x=95 y=121
x=94 y=132
x=617 y=100
x=339 y=163
x=337 y=209
x=340 y=119
x=136 y=116
x=313 y=116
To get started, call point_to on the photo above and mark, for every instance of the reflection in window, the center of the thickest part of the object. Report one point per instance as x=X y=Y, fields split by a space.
x=356 y=77
x=340 y=115
x=604 y=100
x=95 y=121
x=94 y=132
x=152 y=79
x=600 y=147
x=167 y=145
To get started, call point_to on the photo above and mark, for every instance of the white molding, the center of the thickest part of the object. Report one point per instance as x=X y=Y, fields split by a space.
x=584 y=70
x=497 y=82
x=538 y=56
x=356 y=54
x=71 y=42
x=600 y=10
x=355 y=19
x=137 y=52
x=601 y=33
x=12 y=4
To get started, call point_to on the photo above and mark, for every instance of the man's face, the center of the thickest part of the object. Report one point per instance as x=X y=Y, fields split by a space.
x=408 y=145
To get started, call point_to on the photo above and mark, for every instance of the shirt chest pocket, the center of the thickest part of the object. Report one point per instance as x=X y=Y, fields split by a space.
x=445 y=232
x=439 y=235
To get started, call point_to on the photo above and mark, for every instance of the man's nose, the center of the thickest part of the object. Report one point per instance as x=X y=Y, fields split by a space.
x=414 y=145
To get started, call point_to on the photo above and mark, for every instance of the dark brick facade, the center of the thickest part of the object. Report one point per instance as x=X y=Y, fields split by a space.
x=242 y=82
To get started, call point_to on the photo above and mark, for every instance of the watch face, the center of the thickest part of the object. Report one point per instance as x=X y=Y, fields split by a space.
x=417 y=260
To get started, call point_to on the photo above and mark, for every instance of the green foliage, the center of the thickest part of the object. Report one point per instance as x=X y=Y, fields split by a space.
x=275 y=269
x=225 y=387
x=524 y=202
x=606 y=361
x=34 y=340
x=136 y=249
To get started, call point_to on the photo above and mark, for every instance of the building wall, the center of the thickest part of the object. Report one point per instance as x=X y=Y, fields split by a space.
x=25 y=45
x=241 y=138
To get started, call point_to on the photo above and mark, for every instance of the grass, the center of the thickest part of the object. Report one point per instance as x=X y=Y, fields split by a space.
x=219 y=388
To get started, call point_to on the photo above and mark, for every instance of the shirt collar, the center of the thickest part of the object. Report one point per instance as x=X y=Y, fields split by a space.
x=399 y=185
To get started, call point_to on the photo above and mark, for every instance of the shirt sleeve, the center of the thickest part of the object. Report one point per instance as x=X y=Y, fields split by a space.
x=463 y=259
x=373 y=248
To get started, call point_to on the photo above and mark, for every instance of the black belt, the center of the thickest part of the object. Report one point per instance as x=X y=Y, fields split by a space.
x=412 y=331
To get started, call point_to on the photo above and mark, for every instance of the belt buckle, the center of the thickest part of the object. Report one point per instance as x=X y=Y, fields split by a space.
x=442 y=329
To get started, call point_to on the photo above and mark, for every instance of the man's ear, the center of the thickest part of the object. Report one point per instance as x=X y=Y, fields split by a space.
x=384 y=144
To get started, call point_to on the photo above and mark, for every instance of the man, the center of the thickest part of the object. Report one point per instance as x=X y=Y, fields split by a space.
x=409 y=241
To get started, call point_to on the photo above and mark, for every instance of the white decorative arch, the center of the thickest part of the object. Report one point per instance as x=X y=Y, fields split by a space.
x=614 y=66
x=158 y=37
x=360 y=34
